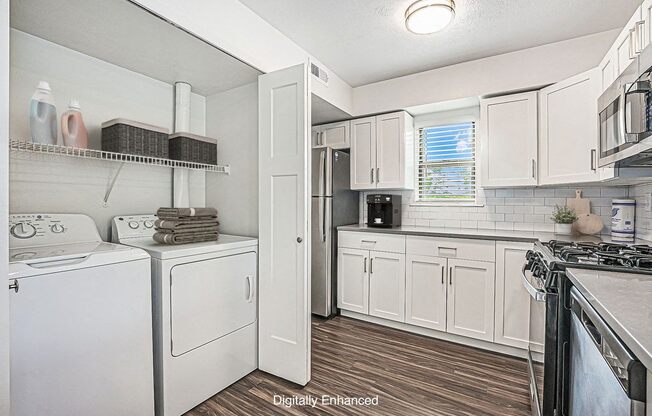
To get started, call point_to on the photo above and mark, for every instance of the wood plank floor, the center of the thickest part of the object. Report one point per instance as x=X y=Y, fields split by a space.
x=411 y=375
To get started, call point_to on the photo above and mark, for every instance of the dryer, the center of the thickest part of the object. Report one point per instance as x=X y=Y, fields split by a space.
x=205 y=312
x=80 y=320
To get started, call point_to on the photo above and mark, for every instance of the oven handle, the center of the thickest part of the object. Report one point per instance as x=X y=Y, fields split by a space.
x=536 y=294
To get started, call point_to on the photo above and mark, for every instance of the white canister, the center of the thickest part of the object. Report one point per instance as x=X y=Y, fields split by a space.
x=623 y=213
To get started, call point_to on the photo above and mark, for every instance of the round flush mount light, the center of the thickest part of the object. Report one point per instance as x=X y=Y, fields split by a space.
x=429 y=16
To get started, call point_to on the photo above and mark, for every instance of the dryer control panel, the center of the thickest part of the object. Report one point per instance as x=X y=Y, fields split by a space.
x=26 y=230
x=124 y=227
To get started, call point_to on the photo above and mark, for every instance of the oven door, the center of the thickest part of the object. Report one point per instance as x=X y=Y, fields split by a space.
x=538 y=297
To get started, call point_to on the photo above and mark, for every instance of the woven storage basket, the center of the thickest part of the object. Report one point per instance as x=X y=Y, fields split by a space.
x=134 y=138
x=193 y=148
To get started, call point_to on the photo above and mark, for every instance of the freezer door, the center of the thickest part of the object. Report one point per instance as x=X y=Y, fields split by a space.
x=321 y=264
x=322 y=162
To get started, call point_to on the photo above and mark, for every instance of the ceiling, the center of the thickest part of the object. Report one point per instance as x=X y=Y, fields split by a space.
x=365 y=41
x=123 y=34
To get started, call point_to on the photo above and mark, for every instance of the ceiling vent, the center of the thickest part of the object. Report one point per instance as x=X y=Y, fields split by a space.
x=319 y=73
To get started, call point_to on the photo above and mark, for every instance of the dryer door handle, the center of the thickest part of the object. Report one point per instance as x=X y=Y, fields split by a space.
x=250 y=288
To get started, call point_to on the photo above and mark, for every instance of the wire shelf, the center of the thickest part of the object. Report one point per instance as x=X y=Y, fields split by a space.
x=51 y=149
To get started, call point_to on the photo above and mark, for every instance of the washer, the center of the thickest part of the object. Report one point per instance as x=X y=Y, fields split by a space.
x=205 y=312
x=80 y=319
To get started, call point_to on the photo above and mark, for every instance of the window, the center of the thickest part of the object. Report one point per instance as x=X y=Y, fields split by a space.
x=446 y=163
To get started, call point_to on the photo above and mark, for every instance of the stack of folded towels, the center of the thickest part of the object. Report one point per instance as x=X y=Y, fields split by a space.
x=186 y=225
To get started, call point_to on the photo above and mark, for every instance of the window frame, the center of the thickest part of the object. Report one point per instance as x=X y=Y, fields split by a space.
x=439 y=119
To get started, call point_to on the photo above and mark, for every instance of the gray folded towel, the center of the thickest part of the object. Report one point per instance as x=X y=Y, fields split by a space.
x=184 y=238
x=186 y=224
x=175 y=213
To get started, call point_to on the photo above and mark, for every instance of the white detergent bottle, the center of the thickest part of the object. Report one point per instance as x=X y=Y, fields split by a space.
x=43 y=115
x=73 y=130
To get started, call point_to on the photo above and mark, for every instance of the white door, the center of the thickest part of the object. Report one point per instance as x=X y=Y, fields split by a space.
x=508 y=135
x=471 y=299
x=425 y=291
x=4 y=207
x=387 y=285
x=512 y=300
x=568 y=130
x=363 y=153
x=284 y=276
x=336 y=135
x=353 y=280
x=390 y=150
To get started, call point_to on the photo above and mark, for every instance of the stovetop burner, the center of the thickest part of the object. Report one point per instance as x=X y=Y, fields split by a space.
x=603 y=254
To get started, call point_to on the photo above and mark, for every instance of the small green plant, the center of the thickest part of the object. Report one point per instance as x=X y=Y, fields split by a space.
x=563 y=215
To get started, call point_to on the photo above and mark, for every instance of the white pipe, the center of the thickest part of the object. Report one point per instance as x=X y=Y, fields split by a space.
x=181 y=179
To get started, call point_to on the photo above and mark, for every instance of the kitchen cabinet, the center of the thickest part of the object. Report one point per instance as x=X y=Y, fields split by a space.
x=387 y=285
x=382 y=152
x=353 y=280
x=508 y=130
x=425 y=289
x=568 y=130
x=607 y=69
x=629 y=42
x=334 y=135
x=512 y=304
x=470 y=304
x=646 y=18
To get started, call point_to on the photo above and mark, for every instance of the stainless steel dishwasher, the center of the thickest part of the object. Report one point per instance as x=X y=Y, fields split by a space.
x=604 y=377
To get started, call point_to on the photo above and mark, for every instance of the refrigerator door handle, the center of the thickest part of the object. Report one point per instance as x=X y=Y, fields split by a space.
x=323 y=220
x=322 y=173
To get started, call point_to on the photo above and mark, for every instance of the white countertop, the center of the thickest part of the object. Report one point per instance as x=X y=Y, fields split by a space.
x=482 y=234
x=624 y=301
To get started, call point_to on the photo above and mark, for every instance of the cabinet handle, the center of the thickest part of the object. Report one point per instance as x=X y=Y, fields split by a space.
x=534 y=169
x=450 y=275
x=365 y=265
x=371 y=265
x=377 y=174
x=632 y=43
x=443 y=272
x=639 y=33
x=368 y=241
x=322 y=138
x=593 y=157
x=15 y=286
x=372 y=175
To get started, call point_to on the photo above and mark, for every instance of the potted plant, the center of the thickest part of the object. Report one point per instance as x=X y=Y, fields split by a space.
x=564 y=218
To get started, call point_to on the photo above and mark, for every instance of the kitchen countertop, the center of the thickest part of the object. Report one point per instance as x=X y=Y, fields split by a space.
x=482 y=234
x=624 y=301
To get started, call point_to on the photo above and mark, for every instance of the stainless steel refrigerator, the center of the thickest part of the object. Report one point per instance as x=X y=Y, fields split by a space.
x=333 y=204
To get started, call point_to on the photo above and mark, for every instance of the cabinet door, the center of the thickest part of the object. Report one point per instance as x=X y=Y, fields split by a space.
x=625 y=44
x=363 y=153
x=508 y=132
x=568 y=132
x=390 y=151
x=425 y=291
x=336 y=135
x=607 y=69
x=471 y=299
x=387 y=285
x=353 y=280
x=512 y=300
x=646 y=18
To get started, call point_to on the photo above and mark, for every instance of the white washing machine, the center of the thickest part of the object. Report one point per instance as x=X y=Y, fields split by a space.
x=205 y=310
x=81 y=320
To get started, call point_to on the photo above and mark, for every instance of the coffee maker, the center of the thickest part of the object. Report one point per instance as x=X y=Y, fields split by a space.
x=383 y=210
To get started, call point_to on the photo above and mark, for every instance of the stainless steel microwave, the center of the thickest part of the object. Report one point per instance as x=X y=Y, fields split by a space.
x=625 y=116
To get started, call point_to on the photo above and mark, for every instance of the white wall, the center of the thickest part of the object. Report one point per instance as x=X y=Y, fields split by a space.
x=232 y=117
x=55 y=184
x=231 y=26
x=4 y=194
x=522 y=69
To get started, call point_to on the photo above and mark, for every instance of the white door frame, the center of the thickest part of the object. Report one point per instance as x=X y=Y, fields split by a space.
x=4 y=206
x=284 y=223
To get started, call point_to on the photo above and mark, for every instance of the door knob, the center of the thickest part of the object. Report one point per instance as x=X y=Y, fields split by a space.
x=299 y=239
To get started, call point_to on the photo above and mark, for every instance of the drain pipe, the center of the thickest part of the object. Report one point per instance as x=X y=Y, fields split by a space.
x=181 y=178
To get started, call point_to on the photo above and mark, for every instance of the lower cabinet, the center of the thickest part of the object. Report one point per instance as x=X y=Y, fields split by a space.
x=387 y=285
x=426 y=284
x=470 y=305
x=512 y=300
x=371 y=282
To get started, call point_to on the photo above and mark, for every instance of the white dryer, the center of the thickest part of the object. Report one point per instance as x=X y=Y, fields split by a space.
x=205 y=310
x=81 y=320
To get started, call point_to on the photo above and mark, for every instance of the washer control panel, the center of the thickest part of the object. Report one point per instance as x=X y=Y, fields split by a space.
x=26 y=230
x=124 y=227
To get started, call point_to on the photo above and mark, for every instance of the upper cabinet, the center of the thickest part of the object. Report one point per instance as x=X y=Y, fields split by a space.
x=631 y=41
x=568 y=130
x=508 y=130
x=335 y=135
x=382 y=152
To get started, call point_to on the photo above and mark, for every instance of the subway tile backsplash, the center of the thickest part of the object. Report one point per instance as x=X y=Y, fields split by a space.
x=523 y=209
x=643 y=211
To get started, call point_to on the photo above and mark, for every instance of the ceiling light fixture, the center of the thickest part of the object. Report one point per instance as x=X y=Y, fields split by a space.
x=429 y=16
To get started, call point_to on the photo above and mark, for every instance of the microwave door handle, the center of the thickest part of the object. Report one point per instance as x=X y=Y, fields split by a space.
x=622 y=118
